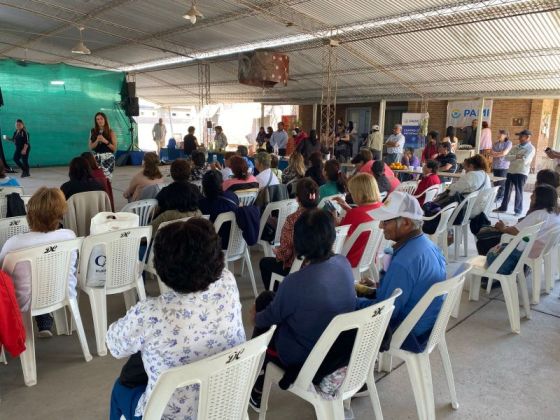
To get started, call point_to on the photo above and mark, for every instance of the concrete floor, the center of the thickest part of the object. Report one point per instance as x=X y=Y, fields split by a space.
x=498 y=374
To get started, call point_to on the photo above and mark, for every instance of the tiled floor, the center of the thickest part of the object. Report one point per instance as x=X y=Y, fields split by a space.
x=498 y=374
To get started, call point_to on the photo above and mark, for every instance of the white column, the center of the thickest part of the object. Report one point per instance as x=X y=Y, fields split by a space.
x=262 y=115
x=382 y=105
x=314 y=123
x=479 y=126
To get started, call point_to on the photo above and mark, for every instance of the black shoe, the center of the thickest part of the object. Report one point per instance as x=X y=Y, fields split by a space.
x=255 y=401
x=25 y=175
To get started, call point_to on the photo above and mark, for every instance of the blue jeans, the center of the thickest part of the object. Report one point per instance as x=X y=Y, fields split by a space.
x=124 y=401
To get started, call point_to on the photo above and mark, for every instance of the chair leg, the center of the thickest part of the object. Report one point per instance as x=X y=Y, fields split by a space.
x=421 y=380
x=384 y=362
x=465 y=238
x=329 y=409
x=509 y=289
x=522 y=284
x=474 y=286
x=548 y=273
x=267 y=385
x=247 y=259
x=61 y=322
x=457 y=304
x=448 y=372
x=27 y=358
x=130 y=298
x=374 y=397
x=536 y=269
x=140 y=289
x=456 y=241
x=98 y=301
x=79 y=328
x=3 y=356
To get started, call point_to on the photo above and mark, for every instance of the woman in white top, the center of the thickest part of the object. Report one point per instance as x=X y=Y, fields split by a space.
x=450 y=136
x=200 y=316
x=544 y=208
x=44 y=213
x=475 y=179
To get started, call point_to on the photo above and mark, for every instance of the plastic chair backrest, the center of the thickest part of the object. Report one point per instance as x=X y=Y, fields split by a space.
x=468 y=204
x=451 y=290
x=445 y=215
x=50 y=267
x=121 y=252
x=236 y=245
x=486 y=198
x=371 y=324
x=12 y=226
x=225 y=381
x=530 y=233
x=407 y=187
x=372 y=245
x=143 y=208
x=341 y=234
x=383 y=195
x=430 y=193
x=284 y=208
x=553 y=241
x=247 y=197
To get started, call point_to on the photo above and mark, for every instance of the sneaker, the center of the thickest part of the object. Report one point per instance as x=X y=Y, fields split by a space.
x=517 y=214
x=255 y=401
x=499 y=210
x=45 y=334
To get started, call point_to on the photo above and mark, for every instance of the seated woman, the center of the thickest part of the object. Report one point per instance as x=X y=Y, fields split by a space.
x=429 y=177
x=385 y=183
x=548 y=176
x=476 y=177
x=149 y=175
x=98 y=175
x=241 y=179
x=183 y=325
x=336 y=181
x=315 y=171
x=80 y=178
x=44 y=213
x=409 y=159
x=180 y=205
x=308 y=299
x=307 y=196
x=430 y=151
x=295 y=169
x=198 y=168
x=366 y=196
x=180 y=170
x=543 y=208
x=5 y=180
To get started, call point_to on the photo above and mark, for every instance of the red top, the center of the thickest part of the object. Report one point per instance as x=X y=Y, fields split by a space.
x=100 y=177
x=429 y=151
x=354 y=217
x=394 y=181
x=12 y=332
x=285 y=252
x=424 y=184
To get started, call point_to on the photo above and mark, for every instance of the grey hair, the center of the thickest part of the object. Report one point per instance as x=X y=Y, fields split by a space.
x=416 y=223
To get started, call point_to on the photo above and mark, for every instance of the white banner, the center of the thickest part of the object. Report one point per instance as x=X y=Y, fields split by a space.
x=461 y=113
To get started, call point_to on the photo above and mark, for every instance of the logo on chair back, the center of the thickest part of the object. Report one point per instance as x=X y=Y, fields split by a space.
x=50 y=249
x=15 y=222
x=377 y=312
x=234 y=356
x=125 y=234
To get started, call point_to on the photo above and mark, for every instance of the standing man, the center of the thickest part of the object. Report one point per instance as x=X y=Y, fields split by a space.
x=279 y=139
x=470 y=134
x=395 y=145
x=159 y=133
x=520 y=157
x=375 y=139
x=220 y=139
x=190 y=144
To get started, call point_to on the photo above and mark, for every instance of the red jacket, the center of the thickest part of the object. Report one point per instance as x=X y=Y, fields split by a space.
x=355 y=217
x=12 y=332
x=424 y=184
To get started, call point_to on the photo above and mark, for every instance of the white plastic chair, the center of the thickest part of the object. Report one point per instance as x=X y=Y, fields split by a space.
x=418 y=364
x=237 y=247
x=4 y=191
x=439 y=237
x=486 y=200
x=225 y=381
x=277 y=278
x=247 y=197
x=407 y=187
x=383 y=195
x=12 y=226
x=461 y=231
x=536 y=264
x=341 y=235
x=50 y=264
x=144 y=209
x=508 y=282
x=370 y=250
x=123 y=274
x=370 y=324
x=551 y=266
x=429 y=193
x=284 y=208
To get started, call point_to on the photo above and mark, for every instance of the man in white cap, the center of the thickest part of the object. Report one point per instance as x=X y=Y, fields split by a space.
x=415 y=266
x=375 y=139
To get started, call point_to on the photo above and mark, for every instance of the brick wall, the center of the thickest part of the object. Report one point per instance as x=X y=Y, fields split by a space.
x=438 y=114
x=503 y=113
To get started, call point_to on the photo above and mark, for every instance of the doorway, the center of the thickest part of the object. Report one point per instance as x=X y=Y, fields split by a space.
x=361 y=117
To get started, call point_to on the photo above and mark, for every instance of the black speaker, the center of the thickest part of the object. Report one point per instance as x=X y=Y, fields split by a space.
x=1 y=98
x=208 y=124
x=131 y=107
x=131 y=89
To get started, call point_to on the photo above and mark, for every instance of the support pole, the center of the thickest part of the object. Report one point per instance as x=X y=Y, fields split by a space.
x=314 y=122
x=382 y=107
x=262 y=116
x=328 y=94
x=479 y=126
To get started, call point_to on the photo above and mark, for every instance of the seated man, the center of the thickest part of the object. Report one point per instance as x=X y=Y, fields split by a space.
x=265 y=177
x=415 y=266
x=447 y=160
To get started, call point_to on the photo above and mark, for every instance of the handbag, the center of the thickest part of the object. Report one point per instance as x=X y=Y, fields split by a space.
x=486 y=239
x=478 y=222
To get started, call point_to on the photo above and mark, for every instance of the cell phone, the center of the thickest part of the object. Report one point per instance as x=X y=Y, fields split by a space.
x=330 y=206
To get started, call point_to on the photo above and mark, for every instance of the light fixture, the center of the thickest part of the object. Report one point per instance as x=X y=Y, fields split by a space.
x=80 y=47
x=57 y=82
x=193 y=14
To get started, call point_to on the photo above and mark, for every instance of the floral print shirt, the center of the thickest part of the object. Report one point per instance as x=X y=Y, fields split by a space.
x=175 y=329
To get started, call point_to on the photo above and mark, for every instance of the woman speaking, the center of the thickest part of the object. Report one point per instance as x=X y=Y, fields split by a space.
x=103 y=143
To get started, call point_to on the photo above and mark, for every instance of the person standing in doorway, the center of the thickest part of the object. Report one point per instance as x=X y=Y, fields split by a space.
x=190 y=143
x=220 y=139
x=159 y=134
x=279 y=140
x=103 y=144
x=500 y=165
x=470 y=134
x=21 y=154
x=520 y=157
x=395 y=145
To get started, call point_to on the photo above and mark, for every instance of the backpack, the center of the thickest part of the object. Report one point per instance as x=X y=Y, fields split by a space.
x=15 y=205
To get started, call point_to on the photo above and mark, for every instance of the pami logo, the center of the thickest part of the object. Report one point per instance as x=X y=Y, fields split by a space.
x=455 y=113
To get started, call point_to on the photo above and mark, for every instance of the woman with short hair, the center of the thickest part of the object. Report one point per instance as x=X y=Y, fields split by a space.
x=199 y=317
x=315 y=171
x=428 y=178
x=44 y=213
x=241 y=179
x=177 y=206
x=149 y=175
x=81 y=179
x=198 y=167
x=336 y=181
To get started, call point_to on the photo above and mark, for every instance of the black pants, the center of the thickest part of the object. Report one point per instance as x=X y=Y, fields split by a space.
x=501 y=173
x=269 y=265
x=22 y=160
x=281 y=152
x=516 y=181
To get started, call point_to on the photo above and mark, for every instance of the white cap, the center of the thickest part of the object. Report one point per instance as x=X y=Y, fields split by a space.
x=398 y=204
x=375 y=127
